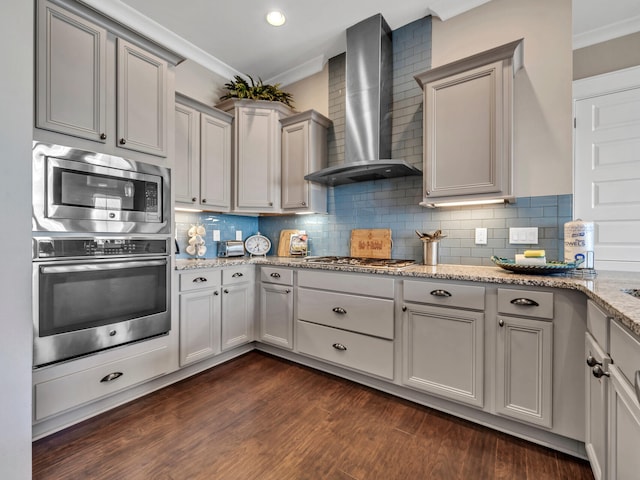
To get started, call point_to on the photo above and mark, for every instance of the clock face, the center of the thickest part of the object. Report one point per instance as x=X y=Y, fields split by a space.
x=257 y=244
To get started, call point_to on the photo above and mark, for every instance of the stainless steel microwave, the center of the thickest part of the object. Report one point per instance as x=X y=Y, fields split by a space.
x=79 y=191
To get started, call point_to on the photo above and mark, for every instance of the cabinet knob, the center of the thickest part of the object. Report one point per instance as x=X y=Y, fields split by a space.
x=287 y=291
x=404 y=308
x=592 y=362
x=271 y=204
x=226 y=291
x=427 y=192
x=111 y=377
x=194 y=199
x=103 y=136
x=216 y=293
x=204 y=200
x=339 y=346
x=599 y=372
x=339 y=310
x=525 y=302
x=304 y=204
x=122 y=141
x=501 y=322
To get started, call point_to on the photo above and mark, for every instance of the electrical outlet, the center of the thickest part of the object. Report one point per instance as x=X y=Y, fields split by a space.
x=239 y=235
x=481 y=236
x=216 y=235
x=523 y=235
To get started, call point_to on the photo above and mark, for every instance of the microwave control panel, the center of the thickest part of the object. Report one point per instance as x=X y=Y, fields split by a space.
x=51 y=248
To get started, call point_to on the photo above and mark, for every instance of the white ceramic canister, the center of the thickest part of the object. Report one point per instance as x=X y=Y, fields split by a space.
x=579 y=242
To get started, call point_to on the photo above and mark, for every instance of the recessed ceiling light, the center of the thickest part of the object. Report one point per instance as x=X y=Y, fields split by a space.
x=276 y=18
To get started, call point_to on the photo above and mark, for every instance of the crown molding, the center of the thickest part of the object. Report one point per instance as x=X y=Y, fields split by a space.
x=446 y=9
x=606 y=32
x=308 y=68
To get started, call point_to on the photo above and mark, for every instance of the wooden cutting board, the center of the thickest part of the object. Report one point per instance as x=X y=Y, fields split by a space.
x=371 y=243
x=284 y=243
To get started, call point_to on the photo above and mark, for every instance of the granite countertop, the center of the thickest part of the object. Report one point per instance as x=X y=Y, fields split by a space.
x=605 y=289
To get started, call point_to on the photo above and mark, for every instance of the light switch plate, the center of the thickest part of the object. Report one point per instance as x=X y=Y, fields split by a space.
x=523 y=235
x=216 y=235
x=481 y=236
x=239 y=235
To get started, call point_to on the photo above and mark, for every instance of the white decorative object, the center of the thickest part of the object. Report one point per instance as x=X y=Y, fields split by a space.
x=197 y=234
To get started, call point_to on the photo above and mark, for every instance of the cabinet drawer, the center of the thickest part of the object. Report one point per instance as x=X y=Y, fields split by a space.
x=625 y=351
x=444 y=294
x=280 y=276
x=372 y=316
x=240 y=274
x=525 y=303
x=59 y=394
x=347 y=283
x=353 y=350
x=598 y=324
x=199 y=279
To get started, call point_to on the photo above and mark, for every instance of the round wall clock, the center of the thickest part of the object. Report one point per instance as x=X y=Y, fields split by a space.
x=257 y=244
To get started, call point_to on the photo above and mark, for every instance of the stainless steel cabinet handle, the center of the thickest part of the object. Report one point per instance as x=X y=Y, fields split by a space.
x=339 y=346
x=501 y=322
x=440 y=293
x=525 y=302
x=111 y=377
x=339 y=310
x=237 y=274
x=199 y=280
x=599 y=372
x=275 y=275
x=637 y=384
x=592 y=362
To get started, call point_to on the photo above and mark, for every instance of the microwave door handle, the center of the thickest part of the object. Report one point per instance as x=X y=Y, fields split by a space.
x=94 y=267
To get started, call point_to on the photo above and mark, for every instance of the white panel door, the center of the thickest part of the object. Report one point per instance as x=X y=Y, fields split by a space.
x=607 y=175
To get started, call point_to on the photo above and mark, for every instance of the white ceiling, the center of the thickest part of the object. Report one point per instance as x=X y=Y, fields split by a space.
x=233 y=37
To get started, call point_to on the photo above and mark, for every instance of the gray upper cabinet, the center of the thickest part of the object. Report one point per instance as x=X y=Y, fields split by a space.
x=468 y=126
x=99 y=83
x=142 y=100
x=304 y=150
x=72 y=74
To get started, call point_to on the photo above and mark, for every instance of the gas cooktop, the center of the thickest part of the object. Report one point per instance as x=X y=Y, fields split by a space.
x=361 y=262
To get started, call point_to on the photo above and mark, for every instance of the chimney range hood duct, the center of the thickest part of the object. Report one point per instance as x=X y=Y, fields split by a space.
x=368 y=109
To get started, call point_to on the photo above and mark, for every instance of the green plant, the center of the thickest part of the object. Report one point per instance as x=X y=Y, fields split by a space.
x=240 y=88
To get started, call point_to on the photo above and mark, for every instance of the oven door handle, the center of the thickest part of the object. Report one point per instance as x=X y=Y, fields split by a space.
x=94 y=267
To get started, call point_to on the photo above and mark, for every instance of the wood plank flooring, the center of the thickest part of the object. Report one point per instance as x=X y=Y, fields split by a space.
x=260 y=417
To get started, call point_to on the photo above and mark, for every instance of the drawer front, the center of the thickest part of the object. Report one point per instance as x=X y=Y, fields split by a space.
x=525 y=303
x=280 y=276
x=625 y=352
x=598 y=324
x=444 y=294
x=372 y=316
x=347 y=283
x=199 y=280
x=60 y=394
x=239 y=274
x=353 y=350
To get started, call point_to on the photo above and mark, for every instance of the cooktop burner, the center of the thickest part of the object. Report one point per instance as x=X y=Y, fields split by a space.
x=361 y=262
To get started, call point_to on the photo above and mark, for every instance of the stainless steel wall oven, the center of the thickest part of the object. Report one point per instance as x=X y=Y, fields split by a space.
x=95 y=293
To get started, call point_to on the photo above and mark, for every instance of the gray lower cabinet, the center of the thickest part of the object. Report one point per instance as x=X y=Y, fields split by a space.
x=238 y=306
x=347 y=319
x=276 y=306
x=443 y=346
x=94 y=85
x=202 y=172
x=623 y=460
x=524 y=353
x=200 y=315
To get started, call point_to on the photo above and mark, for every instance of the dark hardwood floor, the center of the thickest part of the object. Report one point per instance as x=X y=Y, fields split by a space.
x=260 y=417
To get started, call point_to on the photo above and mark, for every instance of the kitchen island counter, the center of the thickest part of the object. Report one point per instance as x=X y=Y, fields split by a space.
x=606 y=289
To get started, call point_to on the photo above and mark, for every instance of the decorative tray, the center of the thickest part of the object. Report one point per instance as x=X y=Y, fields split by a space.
x=547 y=269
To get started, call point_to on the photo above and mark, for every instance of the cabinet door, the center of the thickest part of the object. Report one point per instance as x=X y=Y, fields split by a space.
x=215 y=162
x=257 y=160
x=443 y=352
x=624 y=427
x=596 y=410
x=237 y=315
x=71 y=74
x=276 y=315
x=186 y=174
x=141 y=100
x=295 y=161
x=523 y=369
x=199 y=325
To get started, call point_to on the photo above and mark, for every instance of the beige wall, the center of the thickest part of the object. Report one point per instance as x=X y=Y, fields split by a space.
x=616 y=54
x=311 y=92
x=542 y=104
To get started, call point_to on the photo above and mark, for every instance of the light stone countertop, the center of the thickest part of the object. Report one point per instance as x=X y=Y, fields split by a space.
x=605 y=289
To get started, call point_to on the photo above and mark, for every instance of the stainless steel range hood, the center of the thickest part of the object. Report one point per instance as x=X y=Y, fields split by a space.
x=368 y=109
